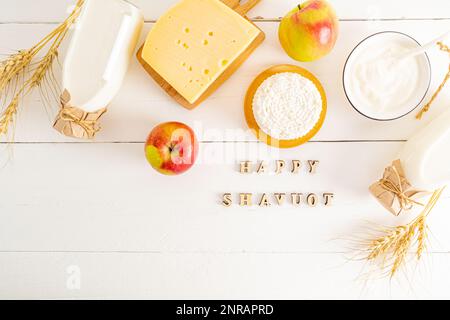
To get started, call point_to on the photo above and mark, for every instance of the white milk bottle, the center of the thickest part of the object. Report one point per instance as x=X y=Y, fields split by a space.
x=426 y=156
x=102 y=45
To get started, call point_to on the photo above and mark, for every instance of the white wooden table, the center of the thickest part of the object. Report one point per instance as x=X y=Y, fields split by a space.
x=97 y=213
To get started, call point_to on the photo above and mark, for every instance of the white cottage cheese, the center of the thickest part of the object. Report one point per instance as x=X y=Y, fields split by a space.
x=287 y=106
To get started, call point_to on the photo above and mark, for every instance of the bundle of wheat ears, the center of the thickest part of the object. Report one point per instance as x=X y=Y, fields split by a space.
x=23 y=71
x=390 y=248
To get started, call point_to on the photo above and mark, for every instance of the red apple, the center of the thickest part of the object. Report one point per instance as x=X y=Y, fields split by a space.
x=171 y=148
x=309 y=31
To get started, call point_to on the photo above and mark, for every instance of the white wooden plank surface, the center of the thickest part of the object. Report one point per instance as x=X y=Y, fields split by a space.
x=141 y=104
x=136 y=234
x=54 y=10
x=105 y=197
x=210 y=276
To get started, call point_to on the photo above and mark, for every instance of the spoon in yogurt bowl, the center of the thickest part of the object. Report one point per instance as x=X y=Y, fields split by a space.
x=423 y=48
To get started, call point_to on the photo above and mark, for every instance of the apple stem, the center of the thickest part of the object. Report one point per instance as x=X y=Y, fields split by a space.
x=299 y=7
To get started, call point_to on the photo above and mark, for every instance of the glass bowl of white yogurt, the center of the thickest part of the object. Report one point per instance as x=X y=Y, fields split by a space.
x=382 y=81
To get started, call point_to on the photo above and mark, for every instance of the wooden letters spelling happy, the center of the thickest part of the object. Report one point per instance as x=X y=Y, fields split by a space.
x=267 y=200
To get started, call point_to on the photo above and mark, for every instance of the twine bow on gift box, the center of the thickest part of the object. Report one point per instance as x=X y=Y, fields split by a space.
x=389 y=246
x=74 y=122
x=395 y=192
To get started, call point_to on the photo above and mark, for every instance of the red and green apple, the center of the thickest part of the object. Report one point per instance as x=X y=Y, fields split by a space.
x=171 y=148
x=309 y=31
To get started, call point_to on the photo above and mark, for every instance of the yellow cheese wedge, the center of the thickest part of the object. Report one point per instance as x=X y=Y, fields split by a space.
x=194 y=42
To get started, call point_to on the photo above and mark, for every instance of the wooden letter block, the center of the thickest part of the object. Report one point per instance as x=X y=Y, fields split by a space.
x=312 y=200
x=227 y=202
x=280 y=198
x=313 y=166
x=328 y=197
x=246 y=167
x=280 y=166
x=296 y=164
x=245 y=199
x=262 y=167
x=296 y=198
x=264 y=201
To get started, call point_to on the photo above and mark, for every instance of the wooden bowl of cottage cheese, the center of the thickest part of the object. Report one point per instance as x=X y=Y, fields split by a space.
x=285 y=106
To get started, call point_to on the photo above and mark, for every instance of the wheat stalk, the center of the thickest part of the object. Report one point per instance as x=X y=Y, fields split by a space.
x=34 y=81
x=13 y=66
x=393 y=247
x=382 y=244
x=426 y=108
x=42 y=68
x=8 y=115
x=17 y=66
x=402 y=247
x=421 y=237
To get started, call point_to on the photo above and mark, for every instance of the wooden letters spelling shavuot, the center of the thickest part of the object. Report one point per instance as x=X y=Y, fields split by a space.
x=267 y=200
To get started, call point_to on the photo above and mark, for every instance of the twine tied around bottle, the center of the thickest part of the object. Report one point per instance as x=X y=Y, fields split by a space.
x=395 y=192
x=75 y=122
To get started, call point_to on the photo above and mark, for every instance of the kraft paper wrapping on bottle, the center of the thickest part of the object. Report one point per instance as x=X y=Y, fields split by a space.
x=394 y=191
x=75 y=122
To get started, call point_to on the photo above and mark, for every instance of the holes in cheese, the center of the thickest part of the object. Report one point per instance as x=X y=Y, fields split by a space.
x=197 y=46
